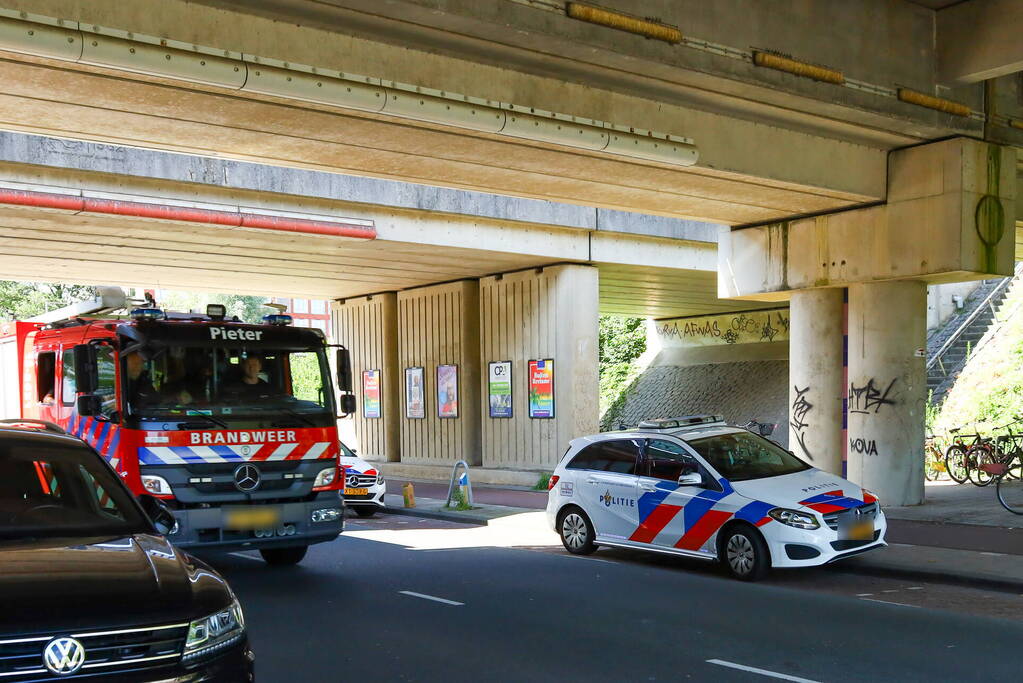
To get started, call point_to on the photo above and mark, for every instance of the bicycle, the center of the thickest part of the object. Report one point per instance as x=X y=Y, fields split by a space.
x=1008 y=490
x=934 y=459
x=1000 y=451
x=957 y=463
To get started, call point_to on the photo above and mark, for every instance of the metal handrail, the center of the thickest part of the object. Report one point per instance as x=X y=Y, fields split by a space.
x=1002 y=286
x=468 y=483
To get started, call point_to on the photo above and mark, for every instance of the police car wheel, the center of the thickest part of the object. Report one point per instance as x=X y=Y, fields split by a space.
x=745 y=554
x=282 y=557
x=576 y=532
x=364 y=511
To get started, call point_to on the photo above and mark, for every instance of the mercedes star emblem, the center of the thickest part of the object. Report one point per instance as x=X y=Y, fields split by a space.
x=352 y=481
x=246 y=478
x=64 y=656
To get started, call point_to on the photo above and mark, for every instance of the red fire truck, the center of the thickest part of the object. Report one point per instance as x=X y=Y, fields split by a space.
x=232 y=426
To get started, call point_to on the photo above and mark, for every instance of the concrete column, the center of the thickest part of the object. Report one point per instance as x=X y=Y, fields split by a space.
x=816 y=382
x=548 y=313
x=887 y=389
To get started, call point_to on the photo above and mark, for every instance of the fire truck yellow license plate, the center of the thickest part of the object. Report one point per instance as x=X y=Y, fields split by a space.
x=262 y=517
x=356 y=492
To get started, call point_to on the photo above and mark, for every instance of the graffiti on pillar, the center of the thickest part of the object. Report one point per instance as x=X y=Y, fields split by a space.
x=782 y=321
x=768 y=333
x=863 y=446
x=869 y=399
x=731 y=336
x=800 y=410
x=989 y=215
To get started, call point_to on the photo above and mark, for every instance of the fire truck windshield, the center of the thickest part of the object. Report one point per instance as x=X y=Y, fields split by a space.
x=228 y=382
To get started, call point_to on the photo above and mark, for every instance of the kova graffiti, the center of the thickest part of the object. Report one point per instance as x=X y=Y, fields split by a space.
x=863 y=446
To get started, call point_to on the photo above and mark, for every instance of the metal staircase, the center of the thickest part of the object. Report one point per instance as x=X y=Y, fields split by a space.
x=951 y=345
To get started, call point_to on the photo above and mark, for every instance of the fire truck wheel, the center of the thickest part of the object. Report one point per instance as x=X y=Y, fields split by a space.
x=280 y=557
x=362 y=511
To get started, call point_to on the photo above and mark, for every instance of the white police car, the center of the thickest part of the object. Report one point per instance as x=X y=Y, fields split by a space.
x=698 y=487
x=364 y=484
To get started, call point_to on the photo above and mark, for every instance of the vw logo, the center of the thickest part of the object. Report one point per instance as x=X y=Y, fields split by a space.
x=63 y=656
x=246 y=478
x=352 y=480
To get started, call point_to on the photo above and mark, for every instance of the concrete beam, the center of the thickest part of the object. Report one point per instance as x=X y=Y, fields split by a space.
x=950 y=217
x=978 y=40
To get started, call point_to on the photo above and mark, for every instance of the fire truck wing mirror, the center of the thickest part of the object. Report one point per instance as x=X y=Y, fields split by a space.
x=89 y=405
x=347 y=405
x=86 y=369
x=161 y=515
x=344 y=371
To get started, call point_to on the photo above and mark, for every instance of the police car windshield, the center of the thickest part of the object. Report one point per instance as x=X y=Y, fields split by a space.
x=65 y=492
x=740 y=456
x=226 y=381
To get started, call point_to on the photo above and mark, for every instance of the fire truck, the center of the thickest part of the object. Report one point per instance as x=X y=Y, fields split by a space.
x=231 y=426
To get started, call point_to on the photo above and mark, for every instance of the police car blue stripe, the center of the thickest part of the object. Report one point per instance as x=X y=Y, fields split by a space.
x=754 y=512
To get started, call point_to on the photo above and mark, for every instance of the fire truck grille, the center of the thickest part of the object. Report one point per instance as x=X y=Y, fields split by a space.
x=106 y=652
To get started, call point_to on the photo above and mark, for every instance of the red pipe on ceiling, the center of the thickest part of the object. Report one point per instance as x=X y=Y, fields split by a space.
x=167 y=212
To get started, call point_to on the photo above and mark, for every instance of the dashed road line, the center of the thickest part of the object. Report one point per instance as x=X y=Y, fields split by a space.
x=434 y=598
x=887 y=602
x=762 y=672
x=245 y=557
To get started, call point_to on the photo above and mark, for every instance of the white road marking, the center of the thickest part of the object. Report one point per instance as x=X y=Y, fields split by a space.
x=863 y=595
x=762 y=672
x=915 y=588
x=886 y=602
x=431 y=597
x=245 y=557
x=992 y=554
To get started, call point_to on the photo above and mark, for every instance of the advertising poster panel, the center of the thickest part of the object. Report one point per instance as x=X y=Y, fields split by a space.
x=500 y=388
x=415 y=394
x=541 y=388
x=447 y=391
x=371 y=393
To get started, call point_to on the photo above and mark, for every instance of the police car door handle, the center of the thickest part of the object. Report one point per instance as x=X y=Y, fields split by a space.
x=647 y=487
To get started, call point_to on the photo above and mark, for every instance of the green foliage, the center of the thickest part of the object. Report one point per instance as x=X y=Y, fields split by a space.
x=21 y=300
x=249 y=309
x=460 y=503
x=306 y=380
x=989 y=390
x=543 y=482
x=621 y=341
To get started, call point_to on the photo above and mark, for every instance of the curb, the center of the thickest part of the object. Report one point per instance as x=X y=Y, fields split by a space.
x=436 y=514
x=964 y=580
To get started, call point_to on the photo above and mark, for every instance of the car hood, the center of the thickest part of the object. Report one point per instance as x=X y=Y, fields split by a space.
x=811 y=488
x=356 y=465
x=64 y=585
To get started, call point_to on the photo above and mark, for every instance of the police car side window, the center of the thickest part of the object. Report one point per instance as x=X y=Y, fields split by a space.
x=608 y=456
x=668 y=460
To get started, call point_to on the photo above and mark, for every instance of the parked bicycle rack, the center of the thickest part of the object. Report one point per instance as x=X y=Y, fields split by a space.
x=468 y=484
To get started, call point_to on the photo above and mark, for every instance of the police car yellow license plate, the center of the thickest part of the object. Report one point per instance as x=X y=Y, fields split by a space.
x=262 y=517
x=861 y=531
x=356 y=492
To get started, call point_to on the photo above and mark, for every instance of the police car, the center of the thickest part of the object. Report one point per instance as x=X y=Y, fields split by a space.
x=698 y=487
x=364 y=484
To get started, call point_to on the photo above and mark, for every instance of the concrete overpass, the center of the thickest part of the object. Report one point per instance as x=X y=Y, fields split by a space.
x=798 y=125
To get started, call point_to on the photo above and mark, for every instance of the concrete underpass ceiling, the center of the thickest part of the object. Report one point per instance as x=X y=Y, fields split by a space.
x=49 y=245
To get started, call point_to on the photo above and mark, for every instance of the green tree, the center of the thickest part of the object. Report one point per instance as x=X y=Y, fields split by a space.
x=249 y=309
x=21 y=300
x=620 y=342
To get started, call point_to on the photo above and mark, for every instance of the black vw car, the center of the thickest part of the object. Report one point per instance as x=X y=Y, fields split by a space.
x=89 y=588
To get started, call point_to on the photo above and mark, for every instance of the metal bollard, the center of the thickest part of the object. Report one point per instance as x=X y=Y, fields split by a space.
x=409 y=494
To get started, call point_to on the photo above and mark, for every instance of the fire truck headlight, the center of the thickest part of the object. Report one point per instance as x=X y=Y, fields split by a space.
x=213 y=633
x=157 y=486
x=325 y=477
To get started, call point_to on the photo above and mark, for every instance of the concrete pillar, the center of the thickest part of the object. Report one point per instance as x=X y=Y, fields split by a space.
x=887 y=389
x=368 y=326
x=816 y=381
x=544 y=314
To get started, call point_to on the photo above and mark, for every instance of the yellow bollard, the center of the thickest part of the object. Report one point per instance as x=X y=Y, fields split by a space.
x=409 y=494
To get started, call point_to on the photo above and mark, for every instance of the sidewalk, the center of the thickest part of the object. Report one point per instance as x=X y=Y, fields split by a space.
x=960 y=535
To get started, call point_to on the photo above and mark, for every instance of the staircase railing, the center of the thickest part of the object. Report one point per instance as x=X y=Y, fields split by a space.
x=987 y=303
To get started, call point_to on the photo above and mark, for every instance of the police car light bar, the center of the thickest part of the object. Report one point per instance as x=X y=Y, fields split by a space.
x=146 y=314
x=684 y=421
x=277 y=319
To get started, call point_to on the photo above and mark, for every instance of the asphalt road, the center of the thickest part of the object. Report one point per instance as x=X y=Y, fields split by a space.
x=406 y=599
